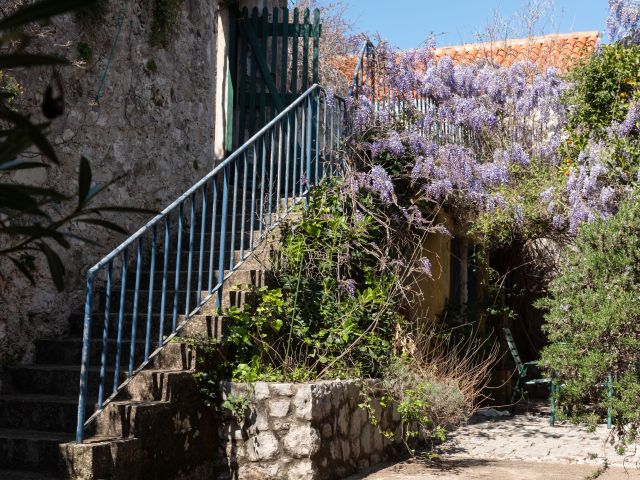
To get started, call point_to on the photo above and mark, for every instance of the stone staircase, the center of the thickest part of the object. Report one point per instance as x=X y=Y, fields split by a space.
x=156 y=427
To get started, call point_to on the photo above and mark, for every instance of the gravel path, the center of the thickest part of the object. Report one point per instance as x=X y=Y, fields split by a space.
x=523 y=447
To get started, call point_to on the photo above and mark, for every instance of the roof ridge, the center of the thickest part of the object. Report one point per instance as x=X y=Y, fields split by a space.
x=523 y=41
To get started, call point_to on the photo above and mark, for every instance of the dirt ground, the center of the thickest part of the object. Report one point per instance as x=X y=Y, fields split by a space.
x=519 y=447
x=456 y=468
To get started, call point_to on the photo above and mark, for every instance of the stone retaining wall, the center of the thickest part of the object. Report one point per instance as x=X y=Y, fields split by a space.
x=305 y=431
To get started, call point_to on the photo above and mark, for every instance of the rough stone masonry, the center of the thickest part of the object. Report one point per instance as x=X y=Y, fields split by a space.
x=309 y=431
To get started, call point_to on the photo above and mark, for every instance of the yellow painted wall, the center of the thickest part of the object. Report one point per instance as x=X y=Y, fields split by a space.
x=431 y=295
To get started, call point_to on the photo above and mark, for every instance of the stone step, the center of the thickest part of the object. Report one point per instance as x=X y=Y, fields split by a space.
x=68 y=351
x=25 y=475
x=130 y=418
x=99 y=458
x=48 y=413
x=31 y=450
x=58 y=380
x=236 y=298
x=63 y=380
x=240 y=277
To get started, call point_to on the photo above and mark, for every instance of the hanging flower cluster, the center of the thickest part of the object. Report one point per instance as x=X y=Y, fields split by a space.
x=623 y=21
x=456 y=133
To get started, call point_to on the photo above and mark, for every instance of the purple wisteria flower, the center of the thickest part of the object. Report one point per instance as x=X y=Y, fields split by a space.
x=424 y=266
x=630 y=122
x=348 y=287
x=623 y=20
x=380 y=183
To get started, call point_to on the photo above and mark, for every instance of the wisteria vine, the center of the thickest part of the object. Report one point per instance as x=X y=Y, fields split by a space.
x=485 y=130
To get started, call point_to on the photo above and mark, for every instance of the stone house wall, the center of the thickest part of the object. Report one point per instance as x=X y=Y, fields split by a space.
x=154 y=124
x=309 y=431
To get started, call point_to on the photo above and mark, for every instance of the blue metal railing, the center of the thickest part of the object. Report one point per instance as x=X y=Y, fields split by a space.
x=182 y=258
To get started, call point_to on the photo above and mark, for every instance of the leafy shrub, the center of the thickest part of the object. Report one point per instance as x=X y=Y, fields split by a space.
x=593 y=320
x=602 y=109
x=328 y=311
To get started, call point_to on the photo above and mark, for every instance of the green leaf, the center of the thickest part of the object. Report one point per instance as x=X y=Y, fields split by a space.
x=103 y=223
x=42 y=11
x=56 y=267
x=84 y=180
x=27 y=60
x=23 y=269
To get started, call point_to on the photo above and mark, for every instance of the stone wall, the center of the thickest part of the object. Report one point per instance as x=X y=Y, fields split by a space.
x=306 y=431
x=154 y=124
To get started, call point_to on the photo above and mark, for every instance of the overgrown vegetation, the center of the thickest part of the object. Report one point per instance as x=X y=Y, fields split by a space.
x=85 y=52
x=337 y=306
x=593 y=321
x=165 y=15
x=593 y=307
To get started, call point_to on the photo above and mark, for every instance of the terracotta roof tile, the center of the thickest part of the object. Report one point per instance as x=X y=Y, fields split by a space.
x=561 y=51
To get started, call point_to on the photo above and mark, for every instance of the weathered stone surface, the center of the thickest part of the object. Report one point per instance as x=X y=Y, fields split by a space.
x=314 y=431
x=279 y=407
x=303 y=403
x=261 y=391
x=343 y=420
x=302 y=441
x=153 y=128
x=263 y=446
x=358 y=418
x=366 y=438
x=260 y=421
x=282 y=389
x=303 y=470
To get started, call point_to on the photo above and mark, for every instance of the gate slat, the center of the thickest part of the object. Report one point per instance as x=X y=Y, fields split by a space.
x=254 y=76
x=265 y=74
x=243 y=84
x=274 y=59
x=294 y=55
x=316 y=43
x=305 y=51
x=285 y=53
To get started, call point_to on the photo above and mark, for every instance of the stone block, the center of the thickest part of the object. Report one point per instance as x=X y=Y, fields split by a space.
x=343 y=420
x=279 y=407
x=302 y=441
x=346 y=449
x=282 y=389
x=303 y=403
x=263 y=446
x=366 y=440
x=358 y=418
x=302 y=470
x=261 y=391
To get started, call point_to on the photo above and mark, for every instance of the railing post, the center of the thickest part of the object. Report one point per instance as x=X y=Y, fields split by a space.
x=223 y=232
x=84 y=366
x=309 y=120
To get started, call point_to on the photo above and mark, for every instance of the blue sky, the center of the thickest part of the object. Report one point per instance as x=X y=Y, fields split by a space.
x=406 y=23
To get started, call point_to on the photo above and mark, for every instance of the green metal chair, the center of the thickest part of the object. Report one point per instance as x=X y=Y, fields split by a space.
x=521 y=370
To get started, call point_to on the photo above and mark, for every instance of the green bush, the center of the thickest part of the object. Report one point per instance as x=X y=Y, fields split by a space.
x=604 y=87
x=593 y=320
x=327 y=311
